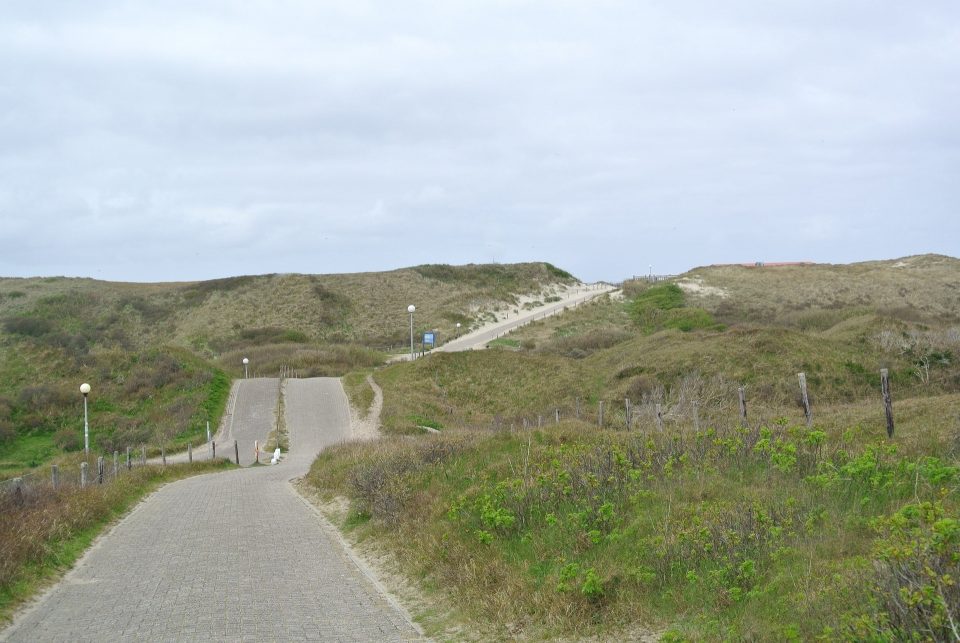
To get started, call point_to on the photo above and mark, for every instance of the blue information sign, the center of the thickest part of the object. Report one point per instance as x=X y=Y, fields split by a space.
x=428 y=338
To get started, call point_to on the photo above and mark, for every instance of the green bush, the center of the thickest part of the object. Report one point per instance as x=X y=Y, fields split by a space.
x=28 y=326
x=663 y=307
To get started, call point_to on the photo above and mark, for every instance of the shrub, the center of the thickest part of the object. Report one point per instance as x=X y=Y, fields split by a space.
x=7 y=432
x=663 y=306
x=579 y=346
x=28 y=326
x=68 y=439
x=917 y=574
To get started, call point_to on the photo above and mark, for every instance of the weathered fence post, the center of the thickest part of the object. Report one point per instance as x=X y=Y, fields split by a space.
x=742 y=394
x=539 y=421
x=628 y=412
x=129 y=463
x=213 y=449
x=558 y=415
x=208 y=430
x=55 y=477
x=805 y=399
x=163 y=455
x=887 y=400
x=600 y=414
x=190 y=452
x=236 y=452
x=18 y=491
x=83 y=475
x=659 y=417
x=524 y=423
x=696 y=416
x=100 y=469
x=116 y=463
x=143 y=456
x=256 y=451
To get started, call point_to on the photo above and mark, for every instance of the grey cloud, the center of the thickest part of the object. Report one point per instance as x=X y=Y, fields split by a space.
x=177 y=141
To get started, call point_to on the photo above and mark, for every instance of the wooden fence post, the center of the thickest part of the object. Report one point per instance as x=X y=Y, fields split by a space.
x=129 y=463
x=163 y=455
x=18 y=491
x=256 y=451
x=116 y=463
x=887 y=400
x=627 y=412
x=190 y=452
x=600 y=414
x=100 y=470
x=213 y=449
x=55 y=477
x=659 y=418
x=696 y=416
x=805 y=399
x=558 y=416
x=742 y=394
x=143 y=455
x=83 y=475
x=236 y=452
x=539 y=421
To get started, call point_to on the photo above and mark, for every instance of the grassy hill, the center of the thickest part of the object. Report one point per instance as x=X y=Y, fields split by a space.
x=695 y=524
x=160 y=356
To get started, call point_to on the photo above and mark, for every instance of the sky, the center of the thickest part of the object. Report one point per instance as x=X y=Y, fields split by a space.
x=186 y=140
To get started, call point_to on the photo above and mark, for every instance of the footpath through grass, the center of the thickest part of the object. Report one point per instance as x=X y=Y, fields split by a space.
x=771 y=533
x=44 y=533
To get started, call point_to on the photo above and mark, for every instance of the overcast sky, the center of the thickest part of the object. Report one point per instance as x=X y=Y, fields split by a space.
x=182 y=140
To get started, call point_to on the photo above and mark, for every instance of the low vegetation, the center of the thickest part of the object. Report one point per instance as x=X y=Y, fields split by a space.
x=44 y=531
x=772 y=532
x=160 y=356
x=680 y=517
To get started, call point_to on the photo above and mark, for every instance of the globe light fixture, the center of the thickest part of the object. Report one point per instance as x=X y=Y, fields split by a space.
x=411 y=309
x=85 y=389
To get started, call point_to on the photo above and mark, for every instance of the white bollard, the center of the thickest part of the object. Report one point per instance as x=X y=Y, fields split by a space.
x=276 y=456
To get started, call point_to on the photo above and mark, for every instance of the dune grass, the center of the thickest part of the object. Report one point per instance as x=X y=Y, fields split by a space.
x=160 y=356
x=709 y=528
x=774 y=533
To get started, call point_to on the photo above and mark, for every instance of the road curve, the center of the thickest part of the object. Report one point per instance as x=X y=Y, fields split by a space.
x=228 y=556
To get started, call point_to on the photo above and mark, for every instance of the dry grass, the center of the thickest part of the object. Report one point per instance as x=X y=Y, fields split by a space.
x=922 y=288
x=158 y=355
x=363 y=307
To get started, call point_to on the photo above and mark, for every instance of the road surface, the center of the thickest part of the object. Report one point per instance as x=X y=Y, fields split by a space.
x=227 y=556
x=483 y=336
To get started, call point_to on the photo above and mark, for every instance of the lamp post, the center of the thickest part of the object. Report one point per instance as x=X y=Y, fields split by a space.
x=245 y=362
x=410 y=309
x=85 y=389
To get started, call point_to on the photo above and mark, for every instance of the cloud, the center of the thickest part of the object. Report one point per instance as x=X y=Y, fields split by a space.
x=185 y=140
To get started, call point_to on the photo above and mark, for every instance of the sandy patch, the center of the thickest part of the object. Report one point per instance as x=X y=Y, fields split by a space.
x=695 y=286
x=367 y=428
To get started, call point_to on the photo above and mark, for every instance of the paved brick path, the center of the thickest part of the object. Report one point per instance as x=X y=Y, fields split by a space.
x=229 y=556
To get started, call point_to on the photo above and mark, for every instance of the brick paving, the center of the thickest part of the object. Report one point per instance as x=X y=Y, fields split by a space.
x=233 y=556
